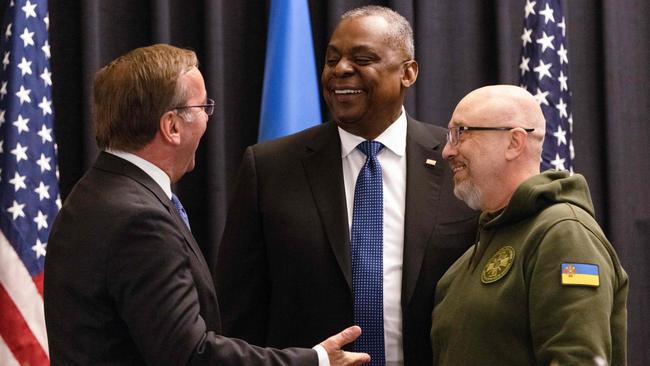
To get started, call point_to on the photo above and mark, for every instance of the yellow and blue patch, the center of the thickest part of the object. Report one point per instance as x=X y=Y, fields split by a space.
x=580 y=274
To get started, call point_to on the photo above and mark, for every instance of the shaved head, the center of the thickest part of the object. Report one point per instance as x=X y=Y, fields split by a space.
x=504 y=105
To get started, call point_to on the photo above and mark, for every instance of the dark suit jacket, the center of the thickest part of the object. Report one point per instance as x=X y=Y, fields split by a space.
x=284 y=268
x=126 y=283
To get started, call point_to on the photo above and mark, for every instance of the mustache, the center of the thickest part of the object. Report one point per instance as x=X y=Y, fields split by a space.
x=456 y=162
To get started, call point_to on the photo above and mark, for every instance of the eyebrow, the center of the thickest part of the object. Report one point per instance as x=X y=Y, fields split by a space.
x=355 y=49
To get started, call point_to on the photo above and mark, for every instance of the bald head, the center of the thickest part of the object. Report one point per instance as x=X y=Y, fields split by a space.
x=504 y=106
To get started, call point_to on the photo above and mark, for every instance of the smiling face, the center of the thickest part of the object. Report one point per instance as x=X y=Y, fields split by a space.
x=474 y=164
x=489 y=165
x=477 y=160
x=365 y=77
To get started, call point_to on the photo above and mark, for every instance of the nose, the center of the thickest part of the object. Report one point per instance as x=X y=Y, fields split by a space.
x=343 y=67
x=449 y=151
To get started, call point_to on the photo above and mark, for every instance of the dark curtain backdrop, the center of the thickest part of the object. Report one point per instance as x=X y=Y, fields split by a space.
x=460 y=45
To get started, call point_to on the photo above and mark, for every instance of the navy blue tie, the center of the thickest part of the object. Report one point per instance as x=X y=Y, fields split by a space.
x=181 y=210
x=367 y=255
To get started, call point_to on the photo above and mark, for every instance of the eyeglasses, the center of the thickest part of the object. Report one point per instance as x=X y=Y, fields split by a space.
x=207 y=108
x=453 y=133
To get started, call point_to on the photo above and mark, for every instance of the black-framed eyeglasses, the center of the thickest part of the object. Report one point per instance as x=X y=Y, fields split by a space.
x=454 y=133
x=208 y=108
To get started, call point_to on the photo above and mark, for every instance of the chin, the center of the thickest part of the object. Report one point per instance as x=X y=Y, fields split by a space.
x=467 y=192
x=346 y=117
x=190 y=166
x=347 y=112
x=345 y=121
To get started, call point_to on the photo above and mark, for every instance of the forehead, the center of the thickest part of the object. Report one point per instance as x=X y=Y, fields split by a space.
x=194 y=83
x=193 y=75
x=464 y=116
x=480 y=108
x=364 y=31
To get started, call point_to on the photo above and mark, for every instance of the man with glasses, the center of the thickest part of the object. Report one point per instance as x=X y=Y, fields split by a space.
x=125 y=281
x=352 y=221
x=542 y=284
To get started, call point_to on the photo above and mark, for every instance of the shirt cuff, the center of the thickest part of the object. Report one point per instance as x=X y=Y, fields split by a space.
x=323 y=358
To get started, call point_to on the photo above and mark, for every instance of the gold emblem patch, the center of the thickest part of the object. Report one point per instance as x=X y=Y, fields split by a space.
x=498 y=265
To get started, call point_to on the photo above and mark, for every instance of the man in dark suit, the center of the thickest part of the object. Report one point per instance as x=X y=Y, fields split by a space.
x=125 y=281
x=288 y=262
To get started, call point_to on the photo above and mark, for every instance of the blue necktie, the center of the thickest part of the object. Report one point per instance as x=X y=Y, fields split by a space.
x=181 y=211
x=367 y=255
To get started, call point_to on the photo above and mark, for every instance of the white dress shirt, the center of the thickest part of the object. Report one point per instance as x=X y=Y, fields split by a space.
x=392 y=159
x=157 y=174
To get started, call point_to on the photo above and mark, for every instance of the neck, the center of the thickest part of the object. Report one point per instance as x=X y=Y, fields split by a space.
x=501 y=190
x=157 y=156
x=370 y=127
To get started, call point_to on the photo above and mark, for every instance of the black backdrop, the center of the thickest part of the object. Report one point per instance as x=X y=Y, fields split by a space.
x=460 y=45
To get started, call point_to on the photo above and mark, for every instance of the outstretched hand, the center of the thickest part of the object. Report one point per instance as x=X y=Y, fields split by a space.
x=339 y=357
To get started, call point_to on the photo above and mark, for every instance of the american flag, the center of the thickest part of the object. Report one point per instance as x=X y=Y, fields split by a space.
x=29 y=193
x=544 y=69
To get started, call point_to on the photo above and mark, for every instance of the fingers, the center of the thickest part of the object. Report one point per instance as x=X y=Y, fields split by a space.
x=351 y=358
x=339 y=357
x=348 y=335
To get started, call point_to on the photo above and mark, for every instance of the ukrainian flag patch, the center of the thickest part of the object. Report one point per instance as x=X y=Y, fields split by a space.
x=580 y=274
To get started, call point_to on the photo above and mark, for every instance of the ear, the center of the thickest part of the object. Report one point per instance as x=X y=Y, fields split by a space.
x=410 y=73
x=169 y=128
x=518 y=143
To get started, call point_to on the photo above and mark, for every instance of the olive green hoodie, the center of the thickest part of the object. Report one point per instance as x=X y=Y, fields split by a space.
x=506 y=301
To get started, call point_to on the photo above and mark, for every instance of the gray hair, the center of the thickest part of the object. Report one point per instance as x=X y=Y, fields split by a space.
x=400 y=33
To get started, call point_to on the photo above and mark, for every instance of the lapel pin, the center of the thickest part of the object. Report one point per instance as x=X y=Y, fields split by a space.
x=431 y=162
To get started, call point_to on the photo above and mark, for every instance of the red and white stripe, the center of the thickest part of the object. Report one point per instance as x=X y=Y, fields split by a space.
x=23 y=338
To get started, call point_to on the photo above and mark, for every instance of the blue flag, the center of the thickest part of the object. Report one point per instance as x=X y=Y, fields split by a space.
x=290 y=100
x=544 y=69
x=29 y=193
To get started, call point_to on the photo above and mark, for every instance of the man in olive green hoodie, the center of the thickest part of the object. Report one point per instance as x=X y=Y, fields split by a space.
x=542 y=284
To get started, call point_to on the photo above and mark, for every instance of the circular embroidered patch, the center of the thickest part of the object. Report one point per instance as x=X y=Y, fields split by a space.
x=498 y=265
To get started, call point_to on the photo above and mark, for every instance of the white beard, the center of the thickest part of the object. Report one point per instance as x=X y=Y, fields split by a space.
x=468 y=193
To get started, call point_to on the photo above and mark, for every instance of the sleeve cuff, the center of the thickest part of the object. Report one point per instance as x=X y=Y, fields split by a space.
x=323 y=358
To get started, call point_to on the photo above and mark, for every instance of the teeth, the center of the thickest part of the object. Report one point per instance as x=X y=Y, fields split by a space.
x=347 y=91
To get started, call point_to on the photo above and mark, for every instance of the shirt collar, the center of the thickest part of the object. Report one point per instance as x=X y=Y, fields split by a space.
x=157 y=174
x=393 y=138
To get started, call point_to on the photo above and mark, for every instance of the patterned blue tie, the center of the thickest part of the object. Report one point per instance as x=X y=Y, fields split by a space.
x=179 y=207
x=367 y=255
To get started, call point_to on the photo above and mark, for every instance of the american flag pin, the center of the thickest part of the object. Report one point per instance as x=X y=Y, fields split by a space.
x=431 y=162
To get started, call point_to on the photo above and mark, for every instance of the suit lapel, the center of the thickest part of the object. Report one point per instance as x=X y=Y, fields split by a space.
x=322 y=163
x=189 y=238
x=118 y=165
x=423 y=182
